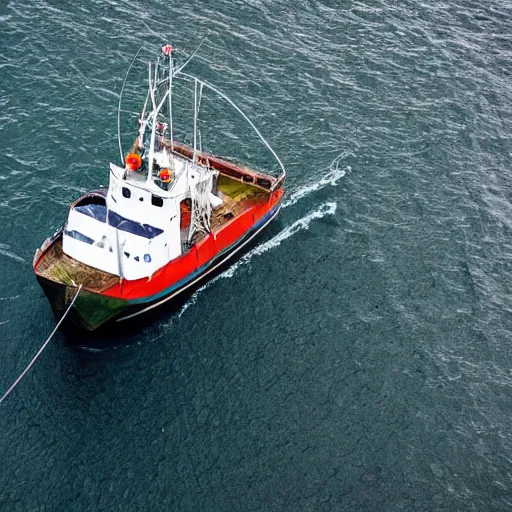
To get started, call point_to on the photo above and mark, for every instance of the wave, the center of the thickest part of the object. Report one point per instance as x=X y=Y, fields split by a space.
x=4 y=250
x=334 y=174
x=14 y=297
x=302 y=224
x=299 y=225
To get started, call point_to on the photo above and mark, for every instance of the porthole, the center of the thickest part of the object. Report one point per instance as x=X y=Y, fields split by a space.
x=127 y=193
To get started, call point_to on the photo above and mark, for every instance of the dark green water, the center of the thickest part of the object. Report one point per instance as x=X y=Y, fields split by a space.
x=358 y=359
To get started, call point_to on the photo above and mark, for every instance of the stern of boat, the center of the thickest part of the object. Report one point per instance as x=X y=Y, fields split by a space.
x=60 y=282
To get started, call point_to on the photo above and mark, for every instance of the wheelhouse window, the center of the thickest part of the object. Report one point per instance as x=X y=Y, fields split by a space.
x=130 y=226
x=79 y=236
x=99 y=213
x=96 y=211
x=157 y=201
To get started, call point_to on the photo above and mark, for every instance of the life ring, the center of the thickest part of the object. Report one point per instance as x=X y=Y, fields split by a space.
x=165 y=175
x=133 y=161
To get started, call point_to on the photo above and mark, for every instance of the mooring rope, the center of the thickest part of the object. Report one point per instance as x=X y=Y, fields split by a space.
x=34 y=359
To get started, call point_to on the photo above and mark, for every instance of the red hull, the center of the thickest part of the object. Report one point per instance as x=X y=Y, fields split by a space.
x=203 y=252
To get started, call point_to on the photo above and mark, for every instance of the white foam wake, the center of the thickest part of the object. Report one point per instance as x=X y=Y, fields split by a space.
x=302 y=224
x=298 y=225
x=334 y=174
x=4 y=249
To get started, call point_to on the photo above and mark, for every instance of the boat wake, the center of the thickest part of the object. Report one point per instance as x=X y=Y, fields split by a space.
x=303 y=223
x=334 y=174
x=335 y=171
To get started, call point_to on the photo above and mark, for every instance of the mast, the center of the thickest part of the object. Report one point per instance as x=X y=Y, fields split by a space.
x=119 y=256
x=195 y=121
x=192 y=227
x=154 y=115
x=142 y=121
x=193 y=186
x=153 y=127
x=170 y=101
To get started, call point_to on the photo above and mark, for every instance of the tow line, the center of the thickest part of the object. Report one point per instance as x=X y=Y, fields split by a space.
x=34 y=359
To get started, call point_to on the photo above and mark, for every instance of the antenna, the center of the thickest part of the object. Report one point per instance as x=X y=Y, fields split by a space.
x=119 y=106
x=190 y=58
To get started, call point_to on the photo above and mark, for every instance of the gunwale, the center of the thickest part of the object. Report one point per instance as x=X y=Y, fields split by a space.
x=54 y=265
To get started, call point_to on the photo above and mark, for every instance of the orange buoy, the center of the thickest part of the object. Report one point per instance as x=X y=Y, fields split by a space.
x=165 y=175
x=133 y=161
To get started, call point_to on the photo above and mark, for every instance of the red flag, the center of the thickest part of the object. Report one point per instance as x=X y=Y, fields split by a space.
x=167 y=49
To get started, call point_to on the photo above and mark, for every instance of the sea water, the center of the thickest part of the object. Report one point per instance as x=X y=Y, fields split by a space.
x=357 y=358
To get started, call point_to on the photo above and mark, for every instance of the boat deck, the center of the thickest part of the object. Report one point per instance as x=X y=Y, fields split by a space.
x=237 y=197
x=56 y=266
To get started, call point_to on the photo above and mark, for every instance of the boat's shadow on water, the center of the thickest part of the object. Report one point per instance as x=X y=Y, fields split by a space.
x=130 y=332
x=126 y=333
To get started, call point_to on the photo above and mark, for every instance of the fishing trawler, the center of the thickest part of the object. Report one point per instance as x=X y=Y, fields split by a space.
x=171 y=215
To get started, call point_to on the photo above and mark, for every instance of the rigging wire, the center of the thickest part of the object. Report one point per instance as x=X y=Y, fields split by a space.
x=119 y=106
x=242 y=113
x=34 y=359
